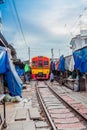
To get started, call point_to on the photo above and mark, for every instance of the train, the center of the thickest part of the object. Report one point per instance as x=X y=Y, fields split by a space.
x=40 y=66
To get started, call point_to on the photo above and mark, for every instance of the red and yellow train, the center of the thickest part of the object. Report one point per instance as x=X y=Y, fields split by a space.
x=40 y=67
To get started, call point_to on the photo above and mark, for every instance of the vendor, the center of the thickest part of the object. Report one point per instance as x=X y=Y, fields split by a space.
x=74 y=74
x=27 y=71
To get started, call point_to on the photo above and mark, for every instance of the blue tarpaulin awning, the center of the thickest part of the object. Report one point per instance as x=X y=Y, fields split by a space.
x=4 y=63
x=7 y=68
x=61 y=65
x=19 y=70
x=77 y=59
x=80 y=59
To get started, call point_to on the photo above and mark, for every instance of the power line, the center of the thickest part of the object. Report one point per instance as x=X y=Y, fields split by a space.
x=73 y=25
x=79 y=17
x=19 y=21
x=12 y=12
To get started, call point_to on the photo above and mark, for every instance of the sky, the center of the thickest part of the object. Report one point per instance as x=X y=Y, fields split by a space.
x=42 y=25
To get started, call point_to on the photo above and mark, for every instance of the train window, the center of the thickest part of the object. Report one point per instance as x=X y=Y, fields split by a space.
x=45 y=63
x=34 y=63
x=40 y=64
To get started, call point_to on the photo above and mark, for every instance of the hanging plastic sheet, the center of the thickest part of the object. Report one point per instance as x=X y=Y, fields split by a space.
x=61 y=66
x=19 y=70
x=4 y=62
x=56 y=64
x=13 y=80
x=77 y=59
x=80 y=58
x=7 y=68
x=84 y=51
x=52 y=66
x=83 y=66
x=71 y=66
x=67 y=62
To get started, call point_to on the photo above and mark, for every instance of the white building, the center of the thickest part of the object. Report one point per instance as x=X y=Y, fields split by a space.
x=79 y=41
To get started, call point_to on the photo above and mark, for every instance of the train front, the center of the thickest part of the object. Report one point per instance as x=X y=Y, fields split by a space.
x=40 y=67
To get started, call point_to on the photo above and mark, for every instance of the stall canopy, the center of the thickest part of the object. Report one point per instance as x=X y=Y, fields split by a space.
x=67 y=62
x=80 y=59
x=52 y=66
x=83 y=65
x=7 y=68
x=19 y=70
x=4 y=62
x=77 y=59
x=61 y=66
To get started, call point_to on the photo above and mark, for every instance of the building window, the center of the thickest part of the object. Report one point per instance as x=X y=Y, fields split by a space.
x=86 y=41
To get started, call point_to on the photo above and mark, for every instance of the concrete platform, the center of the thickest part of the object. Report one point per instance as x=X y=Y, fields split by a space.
x=34 y=114
x=21 y=125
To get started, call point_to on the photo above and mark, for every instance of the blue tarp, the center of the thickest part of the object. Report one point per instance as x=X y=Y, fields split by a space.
x=19 y=70
x=14 y=81
x=80 y=59
x=52 y=66
x=4 y=64
x=77 y=59
x=12 y=78
x=83 y=66
x=61 y=65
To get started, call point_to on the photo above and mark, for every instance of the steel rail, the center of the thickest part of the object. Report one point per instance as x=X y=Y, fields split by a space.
x=85 y=118
x=48 y=116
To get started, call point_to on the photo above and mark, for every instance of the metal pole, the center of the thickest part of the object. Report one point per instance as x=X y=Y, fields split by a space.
x=52 y=54
x=4 y=123
x=4 y=110
x=59 y=53
x=29 y=54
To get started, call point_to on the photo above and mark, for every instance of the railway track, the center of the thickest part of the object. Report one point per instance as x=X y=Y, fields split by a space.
x=62 y=111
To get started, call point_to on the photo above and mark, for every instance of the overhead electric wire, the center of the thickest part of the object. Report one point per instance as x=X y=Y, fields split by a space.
x=73 y=26
x=19 y=22
x=79 y=17
x=12 y=13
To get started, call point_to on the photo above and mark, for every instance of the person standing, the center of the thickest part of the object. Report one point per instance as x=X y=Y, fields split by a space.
x=51 y=78
x=27 y=71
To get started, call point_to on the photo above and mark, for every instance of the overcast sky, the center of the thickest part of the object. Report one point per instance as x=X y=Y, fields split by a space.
x=45 y=24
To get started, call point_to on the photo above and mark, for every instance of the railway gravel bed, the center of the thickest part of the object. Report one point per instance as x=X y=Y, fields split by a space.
x=60 y=114
x=72 y=102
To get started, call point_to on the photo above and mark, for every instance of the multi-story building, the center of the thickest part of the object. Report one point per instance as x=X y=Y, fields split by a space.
x=79 y=41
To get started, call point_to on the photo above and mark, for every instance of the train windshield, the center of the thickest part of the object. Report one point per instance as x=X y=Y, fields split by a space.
x=45 y=63
x=40 y=64
x=34 y=63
